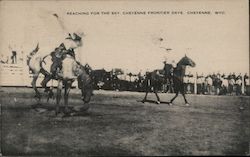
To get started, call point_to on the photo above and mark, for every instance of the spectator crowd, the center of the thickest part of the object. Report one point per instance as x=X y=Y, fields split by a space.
x=116 y=79
x=219 y=84
x=211 y=84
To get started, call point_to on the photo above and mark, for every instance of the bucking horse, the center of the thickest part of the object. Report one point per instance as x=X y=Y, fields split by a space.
x=154 y=80
x=71 y=70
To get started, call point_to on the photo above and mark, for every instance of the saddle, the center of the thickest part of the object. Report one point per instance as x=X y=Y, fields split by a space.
x=51 y=65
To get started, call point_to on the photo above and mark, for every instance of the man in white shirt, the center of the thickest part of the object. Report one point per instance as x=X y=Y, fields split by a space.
x=238 y=86
x=209 y=83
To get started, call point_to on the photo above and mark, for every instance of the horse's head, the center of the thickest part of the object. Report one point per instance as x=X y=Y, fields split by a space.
x=88 y=69
x=186 y=61
x=76 y=40
x=85 y=84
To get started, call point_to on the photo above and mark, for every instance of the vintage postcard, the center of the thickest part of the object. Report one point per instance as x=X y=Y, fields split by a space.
x=111 y=78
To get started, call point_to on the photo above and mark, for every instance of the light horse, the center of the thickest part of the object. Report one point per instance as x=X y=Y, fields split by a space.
x=156 y=78
x=71 y=71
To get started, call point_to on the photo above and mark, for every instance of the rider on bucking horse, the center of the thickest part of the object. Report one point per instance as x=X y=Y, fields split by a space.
x=66 y=48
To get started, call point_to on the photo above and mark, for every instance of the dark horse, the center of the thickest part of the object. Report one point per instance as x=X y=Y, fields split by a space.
x=156 y=78
x=178 y=75
x=152 y=82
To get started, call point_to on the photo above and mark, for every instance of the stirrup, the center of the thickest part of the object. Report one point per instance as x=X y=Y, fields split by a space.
x=47 y=89
x=38 y=96
x=51 y=94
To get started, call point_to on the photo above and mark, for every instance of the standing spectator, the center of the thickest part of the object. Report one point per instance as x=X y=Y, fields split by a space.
x=13 y=57
x=231 y=83
x=246 y=80
x=191 y=83
x=209 y=83
x=224 y=85
x=238 y=85
x=239 y=77
x=247 y=85
x=199 y=84
x=234 y=76
x=186 y=81
x=203 y=84
x=218 y=83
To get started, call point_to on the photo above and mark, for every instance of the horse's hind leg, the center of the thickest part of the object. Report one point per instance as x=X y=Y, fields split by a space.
x=145 y=97
x=45 y=81
x=67 y=86
x=58 y=96
x=176 y=94
x=33 y=83
x=186 y=102
x=158 y=98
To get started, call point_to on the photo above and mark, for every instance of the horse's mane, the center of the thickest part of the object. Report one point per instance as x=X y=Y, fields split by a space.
x=181 y=61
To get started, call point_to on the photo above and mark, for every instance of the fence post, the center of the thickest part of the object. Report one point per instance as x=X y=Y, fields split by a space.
x=243 y=86
x=195 y=84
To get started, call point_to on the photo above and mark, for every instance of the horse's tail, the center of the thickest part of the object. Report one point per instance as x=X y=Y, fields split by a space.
x=34 y=61
x=32 y=53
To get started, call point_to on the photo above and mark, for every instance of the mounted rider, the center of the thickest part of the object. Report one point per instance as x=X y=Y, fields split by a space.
x=67 y=48
x=60 y=52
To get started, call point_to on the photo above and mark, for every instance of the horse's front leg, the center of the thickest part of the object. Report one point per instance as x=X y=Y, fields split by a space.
x=158 y=98
x=33 y=83
x=146 y=94
x=186 y=102
x=58 y=96
x=66 y=95
x=145 y=98
x=148 y=86
x=171 y=101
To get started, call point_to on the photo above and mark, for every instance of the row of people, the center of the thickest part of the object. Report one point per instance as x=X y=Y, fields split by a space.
x=219 y=84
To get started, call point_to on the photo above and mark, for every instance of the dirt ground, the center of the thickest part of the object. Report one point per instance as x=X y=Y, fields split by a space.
x=117 y=123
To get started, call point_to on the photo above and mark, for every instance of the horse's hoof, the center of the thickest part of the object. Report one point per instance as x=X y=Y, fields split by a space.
x=77 y=108
x=37 y=96
x=158 y=102
x=51 y=94
x=187 y=104
x=57 y=111
x=143 y=101
x=85 y=107
x=66 y=111
x=170 y=104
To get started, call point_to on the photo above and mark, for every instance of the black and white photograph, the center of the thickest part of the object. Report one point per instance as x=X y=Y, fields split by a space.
x=124 y=78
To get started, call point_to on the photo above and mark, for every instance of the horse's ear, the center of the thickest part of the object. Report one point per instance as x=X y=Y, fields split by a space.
x=37 y=47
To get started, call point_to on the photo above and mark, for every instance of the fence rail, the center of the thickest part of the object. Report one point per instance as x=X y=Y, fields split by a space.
x=20 y=76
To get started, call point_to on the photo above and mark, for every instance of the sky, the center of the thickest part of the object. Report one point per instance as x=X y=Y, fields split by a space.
x=217 y=43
